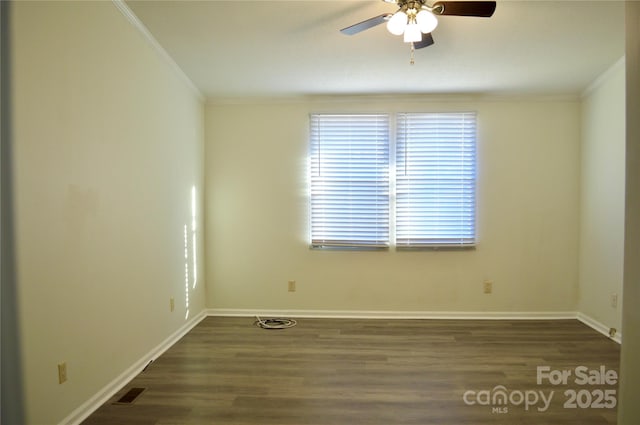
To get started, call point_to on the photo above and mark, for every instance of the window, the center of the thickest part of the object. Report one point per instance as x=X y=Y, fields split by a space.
x=435 y=179
x=350 y=181
x=434 y=175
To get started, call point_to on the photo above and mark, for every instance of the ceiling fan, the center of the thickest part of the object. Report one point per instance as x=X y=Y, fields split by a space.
x=415 y=19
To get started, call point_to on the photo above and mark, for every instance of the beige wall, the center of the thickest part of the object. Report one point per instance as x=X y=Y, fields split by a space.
x=256 y=208
x=602 y=198
x=629 y=408
x=108 y=143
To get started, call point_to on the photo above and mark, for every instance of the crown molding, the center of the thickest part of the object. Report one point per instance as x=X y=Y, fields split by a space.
x=602 y=78
x=146 y=34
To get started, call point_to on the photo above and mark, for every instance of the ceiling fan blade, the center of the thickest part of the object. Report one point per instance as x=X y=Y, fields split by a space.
x=365 y=25
x=427 y=40
x=482 y=9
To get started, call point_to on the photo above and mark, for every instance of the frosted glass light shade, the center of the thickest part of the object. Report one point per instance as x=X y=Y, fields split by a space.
x=426 y=21
x=397 y=23
x=412 y=33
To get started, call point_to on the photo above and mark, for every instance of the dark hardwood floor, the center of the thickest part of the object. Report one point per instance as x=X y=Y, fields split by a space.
x=383 y=372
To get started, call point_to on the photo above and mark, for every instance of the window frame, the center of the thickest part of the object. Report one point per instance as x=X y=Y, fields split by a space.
x=351 y=175
x=392 y=177
x=454 y=189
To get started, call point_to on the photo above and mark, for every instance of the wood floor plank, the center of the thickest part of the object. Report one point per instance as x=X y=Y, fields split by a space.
x=227 y=371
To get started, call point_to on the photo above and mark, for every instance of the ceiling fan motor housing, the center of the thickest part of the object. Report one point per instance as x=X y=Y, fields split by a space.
x=412 y=7
x=415 y=19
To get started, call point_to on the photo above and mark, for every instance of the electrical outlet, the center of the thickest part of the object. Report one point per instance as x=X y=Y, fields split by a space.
x=614 y=300
x=292 y=286
x=487 y=286
x=172 y=304
x=62 y=372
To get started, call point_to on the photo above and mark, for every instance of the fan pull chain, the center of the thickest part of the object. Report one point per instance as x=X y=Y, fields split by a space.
x=412 y=60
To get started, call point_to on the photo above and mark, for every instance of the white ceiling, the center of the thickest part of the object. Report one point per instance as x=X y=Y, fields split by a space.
x=294 y=47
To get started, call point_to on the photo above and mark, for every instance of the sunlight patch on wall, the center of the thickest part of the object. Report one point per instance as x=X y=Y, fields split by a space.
x=190 y=238
x=193 y=235
x=186 y=272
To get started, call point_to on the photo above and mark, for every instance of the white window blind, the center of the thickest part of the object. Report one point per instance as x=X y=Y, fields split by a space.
x=435 y=179
x=349 y=165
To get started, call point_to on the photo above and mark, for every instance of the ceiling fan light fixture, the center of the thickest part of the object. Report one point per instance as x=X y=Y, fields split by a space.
x=397 y=24
x=412 y=33
x=427 y=21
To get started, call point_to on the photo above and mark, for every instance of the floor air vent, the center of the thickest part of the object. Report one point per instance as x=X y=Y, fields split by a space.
x=130 y=396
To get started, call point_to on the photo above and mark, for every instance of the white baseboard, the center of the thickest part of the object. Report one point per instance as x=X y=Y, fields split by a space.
x=367 y=314
x=600 y=327
x=453 y=315
x=91 y=405
x=434 y=315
